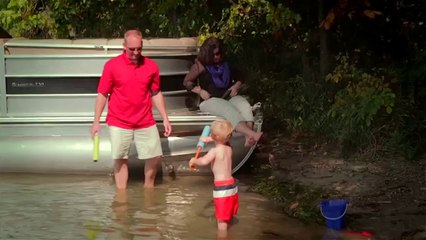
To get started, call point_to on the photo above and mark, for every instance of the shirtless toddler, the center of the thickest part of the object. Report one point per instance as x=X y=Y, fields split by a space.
x=225 y=193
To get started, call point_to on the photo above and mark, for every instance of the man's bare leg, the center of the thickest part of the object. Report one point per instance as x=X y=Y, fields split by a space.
x=121 y=173
x=151 y=168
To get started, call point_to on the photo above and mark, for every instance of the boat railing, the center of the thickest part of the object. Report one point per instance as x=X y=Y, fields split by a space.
x=95 y=46
x=151 y=47
x=39 y=77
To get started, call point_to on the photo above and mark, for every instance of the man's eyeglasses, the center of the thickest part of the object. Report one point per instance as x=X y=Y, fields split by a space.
x=134 y=49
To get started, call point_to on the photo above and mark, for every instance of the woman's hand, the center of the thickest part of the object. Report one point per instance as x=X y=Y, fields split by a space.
x=235 y=88
x=203 y=93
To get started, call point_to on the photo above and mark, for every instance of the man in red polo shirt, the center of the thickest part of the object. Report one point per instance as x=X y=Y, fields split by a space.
x=131 y=83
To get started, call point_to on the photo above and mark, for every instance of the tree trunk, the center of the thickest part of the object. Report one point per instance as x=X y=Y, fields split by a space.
x=324 y=56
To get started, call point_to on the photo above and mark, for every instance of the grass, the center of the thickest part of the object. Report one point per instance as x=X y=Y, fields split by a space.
x=301 y=202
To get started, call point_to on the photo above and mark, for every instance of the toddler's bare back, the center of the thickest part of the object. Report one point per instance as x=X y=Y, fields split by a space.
x=222 y=164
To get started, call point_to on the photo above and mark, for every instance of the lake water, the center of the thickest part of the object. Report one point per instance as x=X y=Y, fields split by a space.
x=89 y=207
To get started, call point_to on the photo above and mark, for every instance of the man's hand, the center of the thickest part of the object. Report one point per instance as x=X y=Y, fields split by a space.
x=96 y=129
x=101 y=100
x=167 y=127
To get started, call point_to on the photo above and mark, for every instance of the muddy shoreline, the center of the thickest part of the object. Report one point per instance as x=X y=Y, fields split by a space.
x=387 y=195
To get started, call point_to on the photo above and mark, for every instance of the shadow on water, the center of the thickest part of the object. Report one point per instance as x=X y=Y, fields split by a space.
x=83 y=207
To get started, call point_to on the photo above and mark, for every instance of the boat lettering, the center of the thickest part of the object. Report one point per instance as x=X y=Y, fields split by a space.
x=27 y=84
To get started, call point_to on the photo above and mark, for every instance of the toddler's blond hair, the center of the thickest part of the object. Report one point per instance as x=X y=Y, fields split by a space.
x=221 y=131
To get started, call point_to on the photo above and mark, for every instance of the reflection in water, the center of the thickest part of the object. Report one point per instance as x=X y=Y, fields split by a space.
x=81 y=207
x=132 y=219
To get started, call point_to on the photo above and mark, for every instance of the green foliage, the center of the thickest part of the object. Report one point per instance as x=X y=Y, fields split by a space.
x=177 y=18
x=245 y=22
x=405 y=136
x=257 y=18
x=296 y=200
x=358 y=103
x=27 y=18
x=100 y=18
x=414 y=79
x=295 y=103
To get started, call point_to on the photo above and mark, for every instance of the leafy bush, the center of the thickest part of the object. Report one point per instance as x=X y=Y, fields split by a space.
x=358 y=104
x=406 y=132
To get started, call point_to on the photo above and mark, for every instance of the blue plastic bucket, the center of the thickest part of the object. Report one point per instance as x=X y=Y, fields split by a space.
x=334 y=213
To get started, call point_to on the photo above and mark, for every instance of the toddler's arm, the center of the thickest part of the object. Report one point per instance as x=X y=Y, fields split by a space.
x=204 y=160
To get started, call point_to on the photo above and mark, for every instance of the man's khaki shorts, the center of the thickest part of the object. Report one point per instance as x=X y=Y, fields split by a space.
x=147 y=142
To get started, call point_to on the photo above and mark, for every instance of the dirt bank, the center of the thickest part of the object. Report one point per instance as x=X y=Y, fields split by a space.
x=387 y=196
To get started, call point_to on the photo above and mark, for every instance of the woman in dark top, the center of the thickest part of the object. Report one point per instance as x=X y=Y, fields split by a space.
x=218 y=82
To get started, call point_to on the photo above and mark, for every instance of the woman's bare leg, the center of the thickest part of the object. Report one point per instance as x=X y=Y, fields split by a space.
x=251 y=136
x=221 y=107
